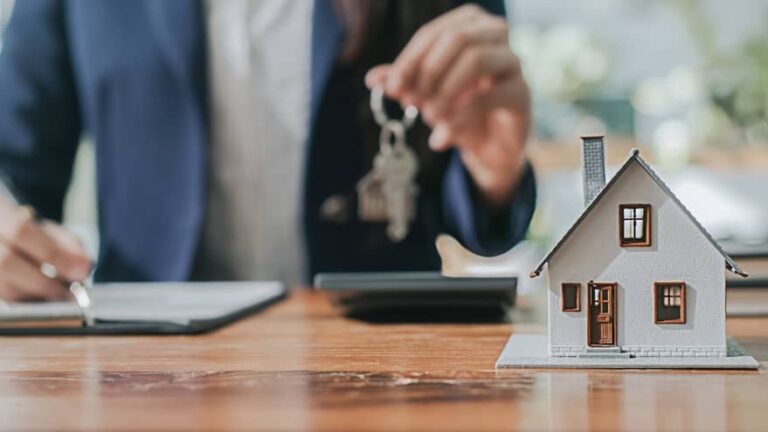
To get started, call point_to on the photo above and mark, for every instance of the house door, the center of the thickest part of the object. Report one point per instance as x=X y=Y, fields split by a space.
x=601 y=328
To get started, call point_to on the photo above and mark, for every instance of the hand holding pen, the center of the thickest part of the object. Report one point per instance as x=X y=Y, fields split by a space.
x=33 y=250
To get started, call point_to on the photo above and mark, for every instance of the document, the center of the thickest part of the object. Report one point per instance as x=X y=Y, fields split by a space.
x=174 y=304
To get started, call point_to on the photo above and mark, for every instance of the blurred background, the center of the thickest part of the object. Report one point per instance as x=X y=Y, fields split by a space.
x=685 y=81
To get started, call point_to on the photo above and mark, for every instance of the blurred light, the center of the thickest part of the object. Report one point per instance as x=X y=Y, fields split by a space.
x=679 y=89
x=672 y=144
x=591 y=125
x=650 y=97
x=685 y=85
x=561 y=61
x=725 y=214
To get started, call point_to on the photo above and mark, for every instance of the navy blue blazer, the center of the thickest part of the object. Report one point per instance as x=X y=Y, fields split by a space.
x=131 y=74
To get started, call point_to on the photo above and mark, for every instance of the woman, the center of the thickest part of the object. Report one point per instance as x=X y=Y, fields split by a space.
x=195 y=109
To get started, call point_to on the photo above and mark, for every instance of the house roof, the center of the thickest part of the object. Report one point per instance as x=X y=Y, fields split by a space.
x=635 y=156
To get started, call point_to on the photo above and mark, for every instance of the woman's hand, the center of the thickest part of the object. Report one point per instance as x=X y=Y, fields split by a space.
x=25 y=244
x=460 y=72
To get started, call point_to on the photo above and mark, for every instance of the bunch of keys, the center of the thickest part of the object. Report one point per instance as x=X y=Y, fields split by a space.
x=388 y=192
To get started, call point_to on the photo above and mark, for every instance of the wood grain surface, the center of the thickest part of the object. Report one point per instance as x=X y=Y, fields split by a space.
x=300 y=366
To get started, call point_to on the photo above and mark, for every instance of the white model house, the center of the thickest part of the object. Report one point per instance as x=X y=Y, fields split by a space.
x=636 y=273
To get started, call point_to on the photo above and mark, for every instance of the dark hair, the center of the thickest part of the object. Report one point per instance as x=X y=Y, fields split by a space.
x=393 y=22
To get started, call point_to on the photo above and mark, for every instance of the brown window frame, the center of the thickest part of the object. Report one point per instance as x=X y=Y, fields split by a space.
x=578 y=296
x=646 y=241
x=656 y=289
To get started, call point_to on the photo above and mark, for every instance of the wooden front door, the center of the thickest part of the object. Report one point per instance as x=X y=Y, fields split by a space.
x=601 y=328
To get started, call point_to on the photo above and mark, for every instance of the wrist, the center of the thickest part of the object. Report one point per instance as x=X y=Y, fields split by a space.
x=497 y=185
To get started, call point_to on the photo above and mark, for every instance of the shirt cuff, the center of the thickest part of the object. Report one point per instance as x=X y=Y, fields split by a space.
x=483 y=230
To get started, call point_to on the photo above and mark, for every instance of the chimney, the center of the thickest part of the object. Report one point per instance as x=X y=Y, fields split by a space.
x=593 y=163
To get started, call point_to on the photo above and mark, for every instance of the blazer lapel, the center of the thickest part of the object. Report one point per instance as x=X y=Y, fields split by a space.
x=327 y=35
x=179 y=26
x=180 y=29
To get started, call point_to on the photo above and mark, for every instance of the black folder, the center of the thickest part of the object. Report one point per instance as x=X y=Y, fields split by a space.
x=144 y=309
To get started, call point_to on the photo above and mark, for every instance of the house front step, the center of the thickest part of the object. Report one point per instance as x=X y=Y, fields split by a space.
x=604 y=353
x=607 y=349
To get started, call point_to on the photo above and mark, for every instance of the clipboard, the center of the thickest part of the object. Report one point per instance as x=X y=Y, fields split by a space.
x=144 y=309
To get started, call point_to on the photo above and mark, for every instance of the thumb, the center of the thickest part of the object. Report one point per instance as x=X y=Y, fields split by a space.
x=440 y=137
x=77 y=263
x=377 y=75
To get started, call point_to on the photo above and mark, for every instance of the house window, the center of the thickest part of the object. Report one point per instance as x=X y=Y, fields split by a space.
x=669 y=300
x=571 y=297
x=635 y=224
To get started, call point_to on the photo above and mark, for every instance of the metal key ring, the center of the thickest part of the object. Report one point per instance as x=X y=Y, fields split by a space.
x=394 y=130
x=380 y=114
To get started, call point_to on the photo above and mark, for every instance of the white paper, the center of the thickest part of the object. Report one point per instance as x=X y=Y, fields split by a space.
x=177 y=303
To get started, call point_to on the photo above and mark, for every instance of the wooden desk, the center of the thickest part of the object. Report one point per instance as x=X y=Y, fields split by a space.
x=300 y=366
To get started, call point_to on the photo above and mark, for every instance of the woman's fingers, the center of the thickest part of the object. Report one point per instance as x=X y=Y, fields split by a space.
x=405 y=67
x=450 y=45
x=472 y=115
x=441 y=137
x=446 y=57
x=21 y=280
x=511 y=95
x=25 y=244
x=485 y=62
x=377 y=75
x=72 y=247
x=20 y=232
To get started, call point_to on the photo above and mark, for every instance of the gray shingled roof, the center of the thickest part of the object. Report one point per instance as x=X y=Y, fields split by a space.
x=635 y=156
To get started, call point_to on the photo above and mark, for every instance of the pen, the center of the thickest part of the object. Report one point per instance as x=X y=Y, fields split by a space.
x=80 y=290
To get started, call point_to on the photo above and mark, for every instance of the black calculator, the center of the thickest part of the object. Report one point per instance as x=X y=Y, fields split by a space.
x=419 y=296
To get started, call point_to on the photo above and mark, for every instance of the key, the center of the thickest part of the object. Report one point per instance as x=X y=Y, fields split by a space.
x=388 y=192
x=371 y=202
x=400 y=192
x=399 y=167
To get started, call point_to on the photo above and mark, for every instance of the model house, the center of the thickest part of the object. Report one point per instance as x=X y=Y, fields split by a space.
x=636 y=275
